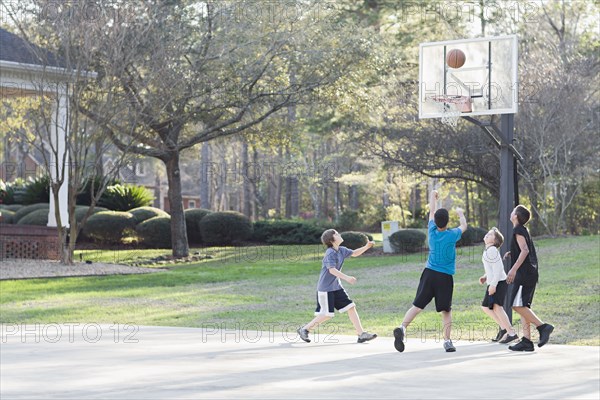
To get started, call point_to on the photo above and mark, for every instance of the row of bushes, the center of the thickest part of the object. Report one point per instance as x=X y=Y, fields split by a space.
x=412 y=240
x=116 y=196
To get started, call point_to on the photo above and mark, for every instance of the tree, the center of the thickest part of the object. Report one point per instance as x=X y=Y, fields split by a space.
x=192 y=72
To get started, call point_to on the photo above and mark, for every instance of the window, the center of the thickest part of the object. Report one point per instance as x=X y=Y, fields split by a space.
x=192 y=204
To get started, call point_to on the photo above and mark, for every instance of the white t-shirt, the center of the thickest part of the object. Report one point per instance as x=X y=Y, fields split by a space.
x=494 y=268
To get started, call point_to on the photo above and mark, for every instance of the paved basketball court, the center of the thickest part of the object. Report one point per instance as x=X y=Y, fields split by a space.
x=101 y=361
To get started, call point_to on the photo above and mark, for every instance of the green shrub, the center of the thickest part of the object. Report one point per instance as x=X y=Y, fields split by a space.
x=27 y=209
x=407 y=241
x=348 y=220
x=125 y=197
x=37 y=217
x=12 y=207
x=85 y=197
x=143 y=213
x=8 y=216
x=37 y=190
x=80 y=212
x=354 y=240
x=109 y=226
x=193 y=216
x=287 y=232
x=12 y=192
x=221 y=228
x=155 y=232
x=472 y=236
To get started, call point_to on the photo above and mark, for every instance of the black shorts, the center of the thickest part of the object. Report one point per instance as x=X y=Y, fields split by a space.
x=328 y=301
x=522 y=296
x=496 y=298
x=434 y=284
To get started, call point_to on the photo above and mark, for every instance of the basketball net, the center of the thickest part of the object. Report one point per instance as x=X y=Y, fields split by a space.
x=451 y=107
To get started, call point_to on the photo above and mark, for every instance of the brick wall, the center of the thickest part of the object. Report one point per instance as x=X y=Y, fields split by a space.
x=29 y=241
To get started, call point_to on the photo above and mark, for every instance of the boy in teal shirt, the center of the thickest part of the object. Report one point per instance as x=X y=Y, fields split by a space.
x=436 y=280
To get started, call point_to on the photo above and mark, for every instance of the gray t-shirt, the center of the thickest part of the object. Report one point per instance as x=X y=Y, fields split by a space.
x=332 y=259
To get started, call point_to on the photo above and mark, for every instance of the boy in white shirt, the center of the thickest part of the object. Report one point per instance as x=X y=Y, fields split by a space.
x=495 y=276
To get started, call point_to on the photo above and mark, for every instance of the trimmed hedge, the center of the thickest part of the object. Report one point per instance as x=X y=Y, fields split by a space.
x=354 y=240
x=472 y=236
x=27 y=209
x=12 y=207
x=155 y=232
x=287 y=232
x=193 y=217
x=37 y=217
x=80 y=212
x=109 y=226
x=407 y=241
x=222 y=228
x=142 y=214
x=8 y=216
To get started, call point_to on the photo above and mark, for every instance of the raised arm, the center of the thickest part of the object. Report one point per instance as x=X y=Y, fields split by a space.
x=433 y=197
x=361 y=250
x=462 y=219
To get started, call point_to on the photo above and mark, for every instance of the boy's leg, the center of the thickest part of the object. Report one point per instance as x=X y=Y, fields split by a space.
x=319 y=319
x=447 y=322
x=353 y=315
x=491 y=314
x=522 y=311
x=410 y=315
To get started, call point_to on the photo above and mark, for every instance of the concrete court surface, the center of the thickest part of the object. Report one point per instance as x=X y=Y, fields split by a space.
x=119 y=362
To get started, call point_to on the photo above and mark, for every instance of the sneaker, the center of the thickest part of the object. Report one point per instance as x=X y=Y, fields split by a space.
x=545 y=330
x=449 y=347
x=509 y=338
x=524 y=345
x=399 y=334
x=366 y=336
x=303 y=333
x=500 y=335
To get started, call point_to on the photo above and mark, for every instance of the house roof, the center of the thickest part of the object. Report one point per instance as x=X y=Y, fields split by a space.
x=16 y=49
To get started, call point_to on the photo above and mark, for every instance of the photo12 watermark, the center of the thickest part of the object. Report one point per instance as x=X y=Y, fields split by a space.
x=69 y=333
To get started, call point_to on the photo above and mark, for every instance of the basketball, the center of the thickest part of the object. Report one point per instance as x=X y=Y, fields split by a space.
x=455 y=58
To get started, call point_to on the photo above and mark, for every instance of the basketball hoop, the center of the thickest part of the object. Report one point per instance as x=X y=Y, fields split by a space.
x=451 y=107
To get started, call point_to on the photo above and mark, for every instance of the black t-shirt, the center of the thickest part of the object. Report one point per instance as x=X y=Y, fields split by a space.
x=528 y=272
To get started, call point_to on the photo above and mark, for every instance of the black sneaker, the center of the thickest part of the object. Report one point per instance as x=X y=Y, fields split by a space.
x=366 y=336
x=449 y=347
x=303 y=333
x=399 y=339
x=545 y=330
x=524 y=345
x=499 y=336
x=509 y=338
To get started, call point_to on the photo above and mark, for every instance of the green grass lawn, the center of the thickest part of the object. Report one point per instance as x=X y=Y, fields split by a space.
x=273 y=288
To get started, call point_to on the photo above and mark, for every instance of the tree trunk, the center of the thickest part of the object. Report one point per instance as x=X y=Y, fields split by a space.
x=178 y=232
x=353 y=197
x=206 y=175
x=467 y=214
x=246 y=176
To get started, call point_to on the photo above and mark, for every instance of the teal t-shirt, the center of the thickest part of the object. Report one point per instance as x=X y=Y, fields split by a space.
x=442 y=248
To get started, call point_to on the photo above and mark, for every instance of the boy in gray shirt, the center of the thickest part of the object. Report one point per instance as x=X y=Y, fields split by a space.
x=330 y=293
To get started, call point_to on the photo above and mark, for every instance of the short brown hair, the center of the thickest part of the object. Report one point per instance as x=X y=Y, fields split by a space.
x=327 y=237
x=523 y=214
x=498 y=238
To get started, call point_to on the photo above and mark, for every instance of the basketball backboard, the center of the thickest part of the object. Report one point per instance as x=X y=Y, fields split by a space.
x=488 y=78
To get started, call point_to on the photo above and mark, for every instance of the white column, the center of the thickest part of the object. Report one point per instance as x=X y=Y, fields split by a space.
x=58 y=134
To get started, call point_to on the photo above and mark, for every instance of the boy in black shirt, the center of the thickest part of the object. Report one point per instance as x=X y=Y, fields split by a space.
x=524 y=275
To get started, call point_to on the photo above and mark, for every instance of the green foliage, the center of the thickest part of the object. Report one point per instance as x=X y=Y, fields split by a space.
x=354 y=240
x=85 y=197
x=583 y=217
x=407 y=241
x=223 y=228
x=12 y=207
x=7 y=216
x=472 y=236
x=141 y=214
x=155 y=232
x=109 y=226
x=348 y=220
x=37 y=217
x=37 y=190
x=80 y=212
x=12 y=193
x=193 y=216
x=125 y=197
x=27 y=209
x=373 y=216
x=287 y=232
